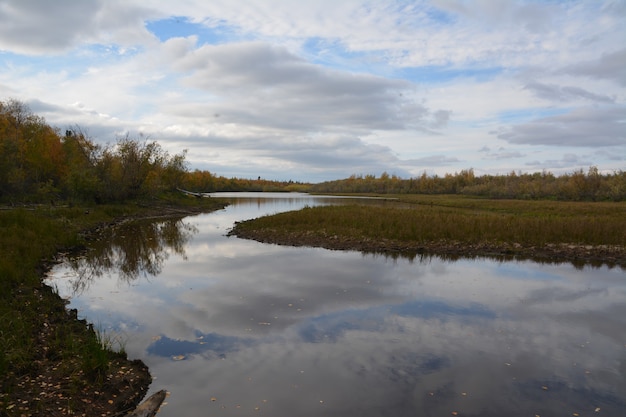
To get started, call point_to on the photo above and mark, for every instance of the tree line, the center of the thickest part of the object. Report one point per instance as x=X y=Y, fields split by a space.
x=205 y=181
x=39 y=163
x=576 y=186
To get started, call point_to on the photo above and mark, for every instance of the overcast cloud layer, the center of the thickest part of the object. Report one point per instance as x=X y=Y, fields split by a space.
x=320 y=90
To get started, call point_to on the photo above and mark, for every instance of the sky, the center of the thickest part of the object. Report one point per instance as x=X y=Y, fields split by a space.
x=321 y=90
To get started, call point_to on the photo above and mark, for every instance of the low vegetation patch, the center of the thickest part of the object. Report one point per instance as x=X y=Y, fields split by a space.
x=457 y=225
x=52 y=363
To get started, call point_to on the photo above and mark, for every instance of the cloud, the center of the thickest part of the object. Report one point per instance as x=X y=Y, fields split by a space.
x=590 y=127
x=440 y=119
x=322 y=157
x=568 y=161
x=609 y=66
x=554 y=92
x=298 y=87
x=40 y=107
x=41 y=27
x=263 y=85
x=433 y=160
x=102 y=128
x=611 y=156
x=530 y=17
x=505 y=155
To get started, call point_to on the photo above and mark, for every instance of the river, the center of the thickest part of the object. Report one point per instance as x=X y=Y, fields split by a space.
x=233 y=327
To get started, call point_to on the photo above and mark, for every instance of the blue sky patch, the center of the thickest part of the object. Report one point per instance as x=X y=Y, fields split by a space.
x=181 y=27
x=443 y=74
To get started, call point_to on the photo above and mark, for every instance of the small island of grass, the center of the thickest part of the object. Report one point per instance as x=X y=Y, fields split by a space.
x=457 y=226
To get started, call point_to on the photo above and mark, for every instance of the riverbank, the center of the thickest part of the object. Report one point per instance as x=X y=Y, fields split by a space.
x=456 y=226
x=579 y=255
x=51 y=362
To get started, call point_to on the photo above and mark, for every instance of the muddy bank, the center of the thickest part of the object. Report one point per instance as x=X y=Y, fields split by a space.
x=59 y=382
x=579 y=255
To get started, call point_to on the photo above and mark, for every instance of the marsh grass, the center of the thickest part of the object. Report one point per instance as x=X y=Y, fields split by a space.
x=461 y=219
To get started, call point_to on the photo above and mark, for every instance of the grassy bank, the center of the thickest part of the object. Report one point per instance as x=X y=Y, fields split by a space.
x=459 y=225
x=51 y=363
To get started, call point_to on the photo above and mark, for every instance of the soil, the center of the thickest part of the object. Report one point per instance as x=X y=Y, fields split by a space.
x=57 y=385
x=578 y=255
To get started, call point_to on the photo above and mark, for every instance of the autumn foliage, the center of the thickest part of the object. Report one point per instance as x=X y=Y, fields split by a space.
x=39 y=164
x=575 y=186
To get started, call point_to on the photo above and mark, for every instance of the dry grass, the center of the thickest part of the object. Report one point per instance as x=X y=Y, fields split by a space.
x=457 y=225
x=461 y=219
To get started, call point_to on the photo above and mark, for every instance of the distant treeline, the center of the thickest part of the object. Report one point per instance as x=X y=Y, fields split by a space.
x=39 y=163
x=575 y=186
x=206 y=182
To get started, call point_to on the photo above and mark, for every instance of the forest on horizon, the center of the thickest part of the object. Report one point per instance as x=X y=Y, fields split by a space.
x=41 y=164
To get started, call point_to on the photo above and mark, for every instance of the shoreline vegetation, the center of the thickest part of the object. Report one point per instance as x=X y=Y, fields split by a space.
x=59 y=189
x=52 y=363
x=455 y=227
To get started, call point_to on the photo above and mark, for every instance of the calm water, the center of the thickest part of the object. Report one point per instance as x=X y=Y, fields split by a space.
x=236 y=328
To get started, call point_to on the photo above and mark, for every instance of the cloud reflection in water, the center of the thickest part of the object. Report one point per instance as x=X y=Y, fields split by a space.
x=304 y=331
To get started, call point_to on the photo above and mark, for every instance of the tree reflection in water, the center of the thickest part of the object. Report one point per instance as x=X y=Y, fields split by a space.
x=130 y=250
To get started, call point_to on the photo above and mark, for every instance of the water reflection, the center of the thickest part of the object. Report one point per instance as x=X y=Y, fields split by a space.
x=130 y=250
x=233 y=327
